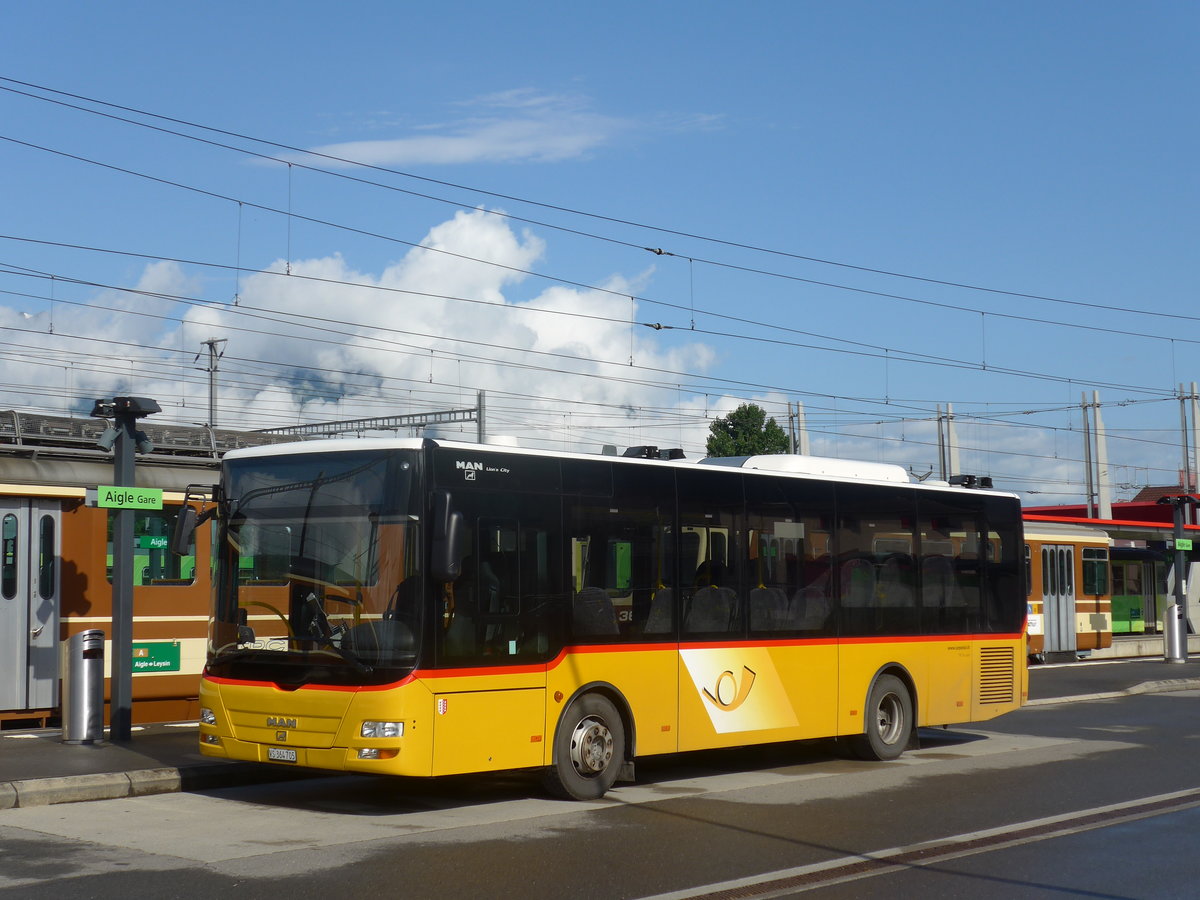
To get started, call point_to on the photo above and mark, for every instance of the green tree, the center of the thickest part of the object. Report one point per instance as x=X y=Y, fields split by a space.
x=746 y=432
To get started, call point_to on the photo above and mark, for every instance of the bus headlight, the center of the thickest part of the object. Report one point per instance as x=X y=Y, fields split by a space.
x=207 y=716
x=382 y=729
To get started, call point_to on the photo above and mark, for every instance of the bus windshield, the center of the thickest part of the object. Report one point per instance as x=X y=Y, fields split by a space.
x=317 y=575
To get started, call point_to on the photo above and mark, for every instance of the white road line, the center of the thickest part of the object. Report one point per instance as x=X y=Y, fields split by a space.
x=785 y=882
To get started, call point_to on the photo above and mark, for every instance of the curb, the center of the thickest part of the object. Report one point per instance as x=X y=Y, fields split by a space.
x=138 y=783
x=1146 y=687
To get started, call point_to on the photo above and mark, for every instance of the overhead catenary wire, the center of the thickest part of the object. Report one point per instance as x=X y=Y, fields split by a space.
x=289 y=214
x=874 y=351
x=309 y=153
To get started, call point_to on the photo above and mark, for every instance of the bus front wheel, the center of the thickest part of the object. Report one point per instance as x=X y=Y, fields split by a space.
x=888 y=724
x=589 y=749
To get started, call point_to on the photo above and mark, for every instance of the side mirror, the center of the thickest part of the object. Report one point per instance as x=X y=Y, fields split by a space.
x=185 y=524
x=449 y=532
x=188 y=519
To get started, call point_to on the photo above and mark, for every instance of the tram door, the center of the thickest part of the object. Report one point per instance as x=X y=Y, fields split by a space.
x=29 y=604
x=1058 y=593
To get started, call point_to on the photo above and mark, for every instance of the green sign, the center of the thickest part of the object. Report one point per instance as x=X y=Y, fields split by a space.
x=1183 y=544
x=114 y=497
x=153 y=542
x=156 y=656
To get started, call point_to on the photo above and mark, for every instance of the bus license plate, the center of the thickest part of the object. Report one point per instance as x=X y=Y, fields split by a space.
x=281 y=754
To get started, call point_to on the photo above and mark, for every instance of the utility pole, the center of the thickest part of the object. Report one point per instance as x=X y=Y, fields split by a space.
x=1103 y=481
x=213 y=355
x=797 y=430
x=1098 y=484
x=947 y=443
x=1089 y=483
x=1191 y=473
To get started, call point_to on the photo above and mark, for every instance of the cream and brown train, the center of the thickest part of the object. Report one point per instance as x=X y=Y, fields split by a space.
x=1069 y=585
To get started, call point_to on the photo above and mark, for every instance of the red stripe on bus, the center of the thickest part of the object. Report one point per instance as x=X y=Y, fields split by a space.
x=529 y=669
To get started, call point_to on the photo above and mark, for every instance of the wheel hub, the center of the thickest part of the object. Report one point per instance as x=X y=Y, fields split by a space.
x=591 y=747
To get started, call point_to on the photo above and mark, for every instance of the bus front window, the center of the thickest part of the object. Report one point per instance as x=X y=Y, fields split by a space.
x=317 y=573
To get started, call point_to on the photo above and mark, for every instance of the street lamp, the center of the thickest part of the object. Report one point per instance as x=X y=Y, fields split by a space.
x=1175 y=647
x=123 y=437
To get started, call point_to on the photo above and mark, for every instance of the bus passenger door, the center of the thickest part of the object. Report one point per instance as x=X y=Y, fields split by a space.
x=29 y=604
x=1058 y=592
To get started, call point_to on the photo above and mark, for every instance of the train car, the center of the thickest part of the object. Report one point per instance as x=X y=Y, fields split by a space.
x=56 y=564
x=1069 y=586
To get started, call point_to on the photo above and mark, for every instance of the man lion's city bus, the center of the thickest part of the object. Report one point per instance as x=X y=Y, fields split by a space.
x=427 y=608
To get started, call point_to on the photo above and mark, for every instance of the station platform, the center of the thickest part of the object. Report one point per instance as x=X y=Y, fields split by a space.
x=38 y=768
x=1128 y=646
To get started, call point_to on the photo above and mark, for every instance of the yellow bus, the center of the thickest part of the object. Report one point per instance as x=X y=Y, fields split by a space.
x=428 y=608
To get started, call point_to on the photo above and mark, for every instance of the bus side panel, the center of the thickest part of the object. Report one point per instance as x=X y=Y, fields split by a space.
x=946 y=693
x=646 y=678
x=860 y=661
x=734 y=695
x=484 y=731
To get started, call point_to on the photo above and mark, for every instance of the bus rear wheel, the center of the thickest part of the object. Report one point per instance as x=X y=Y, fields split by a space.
x=888 y=725
x=589 y=749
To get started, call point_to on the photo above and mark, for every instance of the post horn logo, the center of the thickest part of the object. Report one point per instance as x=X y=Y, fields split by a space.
x=728 y=693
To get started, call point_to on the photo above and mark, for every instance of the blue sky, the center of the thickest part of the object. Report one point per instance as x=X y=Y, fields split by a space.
x=830 y=182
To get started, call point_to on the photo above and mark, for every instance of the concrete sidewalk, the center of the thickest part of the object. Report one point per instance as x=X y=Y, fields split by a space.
x=38 y=769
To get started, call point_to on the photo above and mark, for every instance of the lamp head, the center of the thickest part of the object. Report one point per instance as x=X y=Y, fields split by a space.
x=138 y=407
x=108 y=438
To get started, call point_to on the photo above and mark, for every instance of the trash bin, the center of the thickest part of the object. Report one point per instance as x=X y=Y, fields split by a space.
x=83 y=692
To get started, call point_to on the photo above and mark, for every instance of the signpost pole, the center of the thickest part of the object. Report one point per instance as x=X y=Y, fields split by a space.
x=1175 y=647
x=124 y=438
x=121 y=710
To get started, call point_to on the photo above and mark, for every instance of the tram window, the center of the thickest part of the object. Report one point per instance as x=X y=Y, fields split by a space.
x=1095 y=571
x=8 y=567
x=1127 y=578
x=1028 y=571
x=46 y=558
x=153 y=563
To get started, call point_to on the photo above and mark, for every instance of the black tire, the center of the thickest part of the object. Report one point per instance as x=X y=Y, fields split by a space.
x=887 y=721
x=589 y=750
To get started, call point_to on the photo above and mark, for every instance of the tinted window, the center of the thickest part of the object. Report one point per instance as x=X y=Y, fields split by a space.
x=621 y=555
x=789 y=558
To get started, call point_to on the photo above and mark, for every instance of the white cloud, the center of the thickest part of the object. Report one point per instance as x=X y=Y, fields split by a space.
x=554 y=368
x=510 y=126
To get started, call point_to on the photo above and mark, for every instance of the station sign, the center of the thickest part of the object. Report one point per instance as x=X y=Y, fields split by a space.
x=156 y=656
x=113 y=497
x=153 y=542
x=1183 y=543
